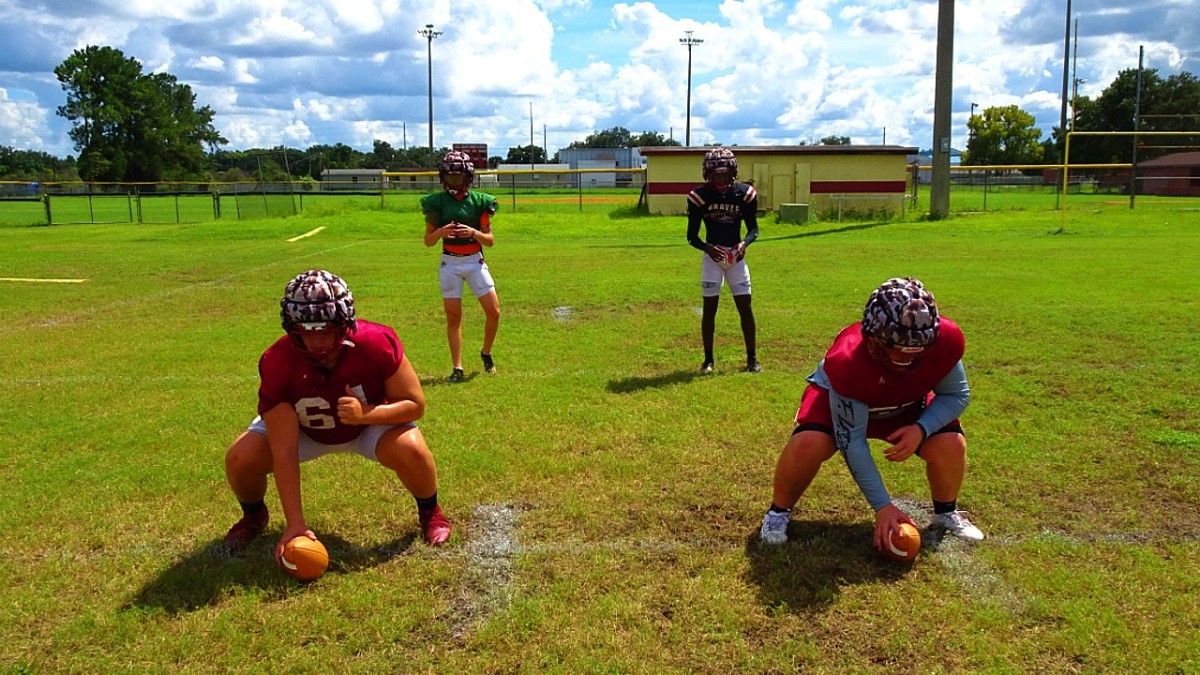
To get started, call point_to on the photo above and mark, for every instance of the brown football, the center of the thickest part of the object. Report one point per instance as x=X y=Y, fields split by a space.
x=304 y=558
x=904 y=543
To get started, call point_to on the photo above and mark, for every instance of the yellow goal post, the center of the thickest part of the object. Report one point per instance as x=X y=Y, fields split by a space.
x=1067 y=165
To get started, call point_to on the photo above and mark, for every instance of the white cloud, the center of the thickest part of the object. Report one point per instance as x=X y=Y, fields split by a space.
x=769 y=71
x=21 y=123
x=213 y=63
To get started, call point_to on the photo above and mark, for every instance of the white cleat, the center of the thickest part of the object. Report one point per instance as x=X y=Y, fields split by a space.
x=956 y=523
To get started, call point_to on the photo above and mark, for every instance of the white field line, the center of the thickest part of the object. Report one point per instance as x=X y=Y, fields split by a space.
x=306 y=234
x=42 y=281
x=490 y=551
x=109 y=308
x=977 y=578
x=75 y=380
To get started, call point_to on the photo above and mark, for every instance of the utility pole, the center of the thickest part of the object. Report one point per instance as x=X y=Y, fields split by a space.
x=943 y=95
x=690 y=42
x=1137 y=123
x=1062 y=123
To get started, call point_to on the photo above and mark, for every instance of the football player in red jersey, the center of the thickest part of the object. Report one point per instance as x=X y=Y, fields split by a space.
x=461 y=219
x=896 y=376
x=722 y=204
x=333 y=383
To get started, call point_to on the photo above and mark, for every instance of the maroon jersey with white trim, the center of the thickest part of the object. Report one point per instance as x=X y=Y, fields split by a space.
x=371 y=355
x=853 y=373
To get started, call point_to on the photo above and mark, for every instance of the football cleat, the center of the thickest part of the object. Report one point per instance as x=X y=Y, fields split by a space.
x=246 y=530
x=456 y=376
x=752 y=366
x=774 y=527
x=489 y=366
x=435 y=527
x=706 y=368
x=956 y=523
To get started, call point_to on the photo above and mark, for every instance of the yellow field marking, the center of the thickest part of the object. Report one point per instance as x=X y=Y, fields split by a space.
x=43 y=281
x=306 y=234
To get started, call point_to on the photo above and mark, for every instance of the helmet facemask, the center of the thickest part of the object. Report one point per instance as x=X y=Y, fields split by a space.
x=456 y=173
x=722 y=180
x=720 y=169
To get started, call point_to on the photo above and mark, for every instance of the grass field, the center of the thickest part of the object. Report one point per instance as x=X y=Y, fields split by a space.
x=606 y=499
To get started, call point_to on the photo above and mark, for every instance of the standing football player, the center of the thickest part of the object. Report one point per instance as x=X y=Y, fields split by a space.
x=461 y=218
x=722 y=204
x=897 y=376
x=333 y=383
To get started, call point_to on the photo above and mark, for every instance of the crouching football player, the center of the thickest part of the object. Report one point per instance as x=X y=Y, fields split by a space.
x=333 y=383
x=896 y=376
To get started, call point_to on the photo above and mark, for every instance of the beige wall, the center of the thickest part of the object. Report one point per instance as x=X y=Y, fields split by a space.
x=825 y=177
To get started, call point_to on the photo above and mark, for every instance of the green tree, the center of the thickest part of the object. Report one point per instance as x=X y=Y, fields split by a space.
x=1003 y=135
x=652 y=139
x=30 y=165
x=383 y=156
x=620 y=137
x=526 y=154
x=835 y=140
x=616 y=137
x=132 y=126
x=1172 y=104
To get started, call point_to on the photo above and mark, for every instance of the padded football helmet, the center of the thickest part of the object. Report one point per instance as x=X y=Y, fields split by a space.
x=717 y=159
x=456 y=162
x=316 y=300
x=901 y=313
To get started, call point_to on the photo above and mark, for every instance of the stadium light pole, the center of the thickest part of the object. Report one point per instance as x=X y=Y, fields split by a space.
x=429 y=33
x=690 y=41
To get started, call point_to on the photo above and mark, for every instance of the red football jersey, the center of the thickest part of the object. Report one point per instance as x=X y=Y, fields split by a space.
x=371 y=355
x=854 y=374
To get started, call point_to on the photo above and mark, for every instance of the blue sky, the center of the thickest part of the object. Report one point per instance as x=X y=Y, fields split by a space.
x=769 y=72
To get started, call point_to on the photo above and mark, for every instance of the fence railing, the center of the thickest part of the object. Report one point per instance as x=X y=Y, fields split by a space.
x=973 y=188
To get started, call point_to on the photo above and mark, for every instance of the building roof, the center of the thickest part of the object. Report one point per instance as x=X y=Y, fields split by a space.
x=739 y=150
x=351 y=172
x=1174 y=159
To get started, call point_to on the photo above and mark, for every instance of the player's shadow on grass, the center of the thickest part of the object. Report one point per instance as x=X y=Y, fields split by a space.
x=808 y=572
x=628 y=385
x=832 y=230
x=436 y=381
x=209 y=573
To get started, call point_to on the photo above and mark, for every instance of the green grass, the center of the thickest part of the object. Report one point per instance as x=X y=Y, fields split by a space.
x=606 y=500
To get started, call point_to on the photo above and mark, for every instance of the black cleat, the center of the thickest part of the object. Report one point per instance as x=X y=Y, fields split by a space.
x=489 y=366
x=706 y=368
x=456 y=376
x=752 y=366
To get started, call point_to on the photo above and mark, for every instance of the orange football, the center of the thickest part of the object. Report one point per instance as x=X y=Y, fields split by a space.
x=305 y=558
x=904 y=543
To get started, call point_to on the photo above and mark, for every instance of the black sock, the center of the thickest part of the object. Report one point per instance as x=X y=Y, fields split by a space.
x=252 y=508
x=945 y=507
x=751 y=357
x=776 y=509
x=708 y=356
x=427 y=503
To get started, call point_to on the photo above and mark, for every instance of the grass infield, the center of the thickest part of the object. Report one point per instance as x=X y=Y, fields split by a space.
x=606 y=499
